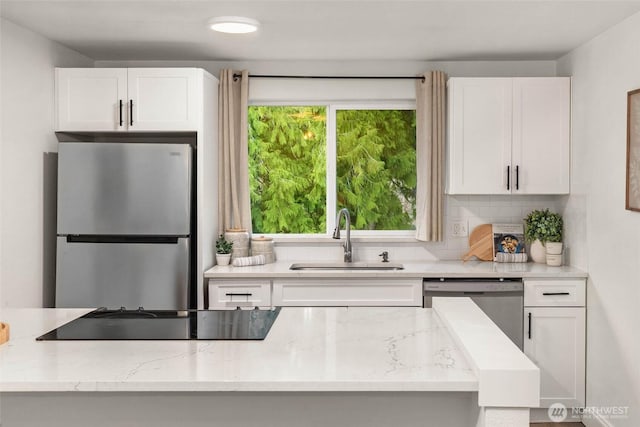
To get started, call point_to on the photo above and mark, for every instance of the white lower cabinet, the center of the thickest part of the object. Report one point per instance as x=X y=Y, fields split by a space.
x=352 y=292
x=554 y=339
x=231 y=294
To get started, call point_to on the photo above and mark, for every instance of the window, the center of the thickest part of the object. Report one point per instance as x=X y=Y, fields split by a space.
x=308 y=161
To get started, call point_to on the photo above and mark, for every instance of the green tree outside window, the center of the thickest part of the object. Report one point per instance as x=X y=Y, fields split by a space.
x=375 y=166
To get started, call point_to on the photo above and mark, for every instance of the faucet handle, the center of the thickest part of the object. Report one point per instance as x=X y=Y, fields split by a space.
x=385 y=256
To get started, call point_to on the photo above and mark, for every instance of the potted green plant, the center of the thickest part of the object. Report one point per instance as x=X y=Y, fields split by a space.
x=223 y=250
x=543 y=229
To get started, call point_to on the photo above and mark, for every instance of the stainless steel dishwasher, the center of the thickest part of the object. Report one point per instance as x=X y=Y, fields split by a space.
x=502 y=299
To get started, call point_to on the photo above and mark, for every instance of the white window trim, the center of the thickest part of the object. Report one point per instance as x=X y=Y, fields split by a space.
x=331 y=196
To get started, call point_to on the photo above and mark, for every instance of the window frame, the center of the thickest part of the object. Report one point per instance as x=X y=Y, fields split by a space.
x=331 y=180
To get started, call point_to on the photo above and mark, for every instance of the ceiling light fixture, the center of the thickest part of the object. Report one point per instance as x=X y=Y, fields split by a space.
x=233 y=24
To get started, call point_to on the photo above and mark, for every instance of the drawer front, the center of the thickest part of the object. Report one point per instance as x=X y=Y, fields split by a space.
x=230 y=295
x=548 y=293
x=340 y=293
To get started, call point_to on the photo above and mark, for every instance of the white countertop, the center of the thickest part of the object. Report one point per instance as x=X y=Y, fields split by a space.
x=307 y=349
x=474 y=269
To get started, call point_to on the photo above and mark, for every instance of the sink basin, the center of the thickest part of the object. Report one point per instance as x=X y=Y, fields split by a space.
x=345 y=266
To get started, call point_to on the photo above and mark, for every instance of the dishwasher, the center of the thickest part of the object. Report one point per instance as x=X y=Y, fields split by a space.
x=501 y=299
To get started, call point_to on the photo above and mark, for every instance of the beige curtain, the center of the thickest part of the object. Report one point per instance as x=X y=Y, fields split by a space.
x=234 y=209
x=430 y=137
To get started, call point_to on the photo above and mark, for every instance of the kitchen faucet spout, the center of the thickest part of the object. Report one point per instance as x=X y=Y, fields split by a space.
x=348 y=254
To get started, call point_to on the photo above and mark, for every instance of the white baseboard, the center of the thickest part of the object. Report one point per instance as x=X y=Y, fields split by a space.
x=541 y=415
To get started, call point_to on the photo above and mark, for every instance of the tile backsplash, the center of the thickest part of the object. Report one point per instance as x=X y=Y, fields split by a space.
x=472 y=210
x=476 y=210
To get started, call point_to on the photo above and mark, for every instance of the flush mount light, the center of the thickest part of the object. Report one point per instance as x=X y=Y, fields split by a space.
x=233 y=24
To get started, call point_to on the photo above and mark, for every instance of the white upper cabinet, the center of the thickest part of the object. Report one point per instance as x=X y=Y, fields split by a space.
x=508 y=136
x=91 y=99
x=162 y=99
x=541 y=135
x=134 y=99
x=480 y=127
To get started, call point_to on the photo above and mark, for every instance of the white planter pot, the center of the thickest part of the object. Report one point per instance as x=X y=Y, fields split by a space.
x=223 y=259
x=554 y=260
x=554 y=248
x=538 y=252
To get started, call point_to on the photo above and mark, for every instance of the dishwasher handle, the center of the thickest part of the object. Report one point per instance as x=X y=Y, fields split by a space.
x=472 y=279
x=473 y=286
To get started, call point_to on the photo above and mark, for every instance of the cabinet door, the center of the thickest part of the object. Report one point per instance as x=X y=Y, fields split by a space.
x=541 y=135
x=555 y=292
x=88 y=99
x=351 y=293
x=554 y=339
x=479 y=146
x=162 y=99
x=232 y=294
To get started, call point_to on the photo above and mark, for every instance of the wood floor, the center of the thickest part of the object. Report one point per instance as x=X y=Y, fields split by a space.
x=557 y=425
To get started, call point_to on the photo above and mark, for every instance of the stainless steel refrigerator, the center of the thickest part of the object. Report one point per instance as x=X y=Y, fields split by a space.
x=124 y=216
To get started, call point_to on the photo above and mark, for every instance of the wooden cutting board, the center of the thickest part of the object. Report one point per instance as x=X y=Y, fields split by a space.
x=4 y=333
x=481 y=243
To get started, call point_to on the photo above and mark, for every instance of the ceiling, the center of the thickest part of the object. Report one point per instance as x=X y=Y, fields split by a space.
x=322 y=29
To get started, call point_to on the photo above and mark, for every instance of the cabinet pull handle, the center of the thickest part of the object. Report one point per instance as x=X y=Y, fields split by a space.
x=517 y=177
x=120 y=109
x=233 y=294
x=131 y=112
x=508 y=177
x=555 y=293
x=529 y=331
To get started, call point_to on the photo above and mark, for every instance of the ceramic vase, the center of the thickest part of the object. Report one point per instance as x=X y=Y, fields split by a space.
x=538 y=252
x=223 y=259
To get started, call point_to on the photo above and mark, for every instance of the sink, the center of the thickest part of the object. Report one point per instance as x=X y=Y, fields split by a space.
x=345 y=266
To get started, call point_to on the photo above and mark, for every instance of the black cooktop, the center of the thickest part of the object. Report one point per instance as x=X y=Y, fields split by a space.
x=122 y=324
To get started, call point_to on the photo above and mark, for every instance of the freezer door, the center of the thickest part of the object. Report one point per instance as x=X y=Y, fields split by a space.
x=131 y=275
x=124 y=189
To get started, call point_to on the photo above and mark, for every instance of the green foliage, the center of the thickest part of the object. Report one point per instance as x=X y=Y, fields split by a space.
x=287 y=164
x=223 y=246
x=375 y=168
x=543 y=225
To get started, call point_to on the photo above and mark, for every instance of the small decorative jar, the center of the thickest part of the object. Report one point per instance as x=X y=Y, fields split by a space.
x=554 y=260
x=240 y=239
x=553 y=248
x=263 y=246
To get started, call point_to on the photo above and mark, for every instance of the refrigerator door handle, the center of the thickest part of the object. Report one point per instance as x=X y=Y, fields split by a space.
x=163 y=240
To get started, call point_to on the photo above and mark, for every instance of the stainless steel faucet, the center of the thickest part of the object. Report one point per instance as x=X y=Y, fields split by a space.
x=348 y=255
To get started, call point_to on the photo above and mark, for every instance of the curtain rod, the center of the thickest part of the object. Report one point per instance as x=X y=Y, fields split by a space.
x=269 y=76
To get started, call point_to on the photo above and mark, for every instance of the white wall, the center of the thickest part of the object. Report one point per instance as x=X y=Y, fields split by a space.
x=27 y=80
x=604 y=236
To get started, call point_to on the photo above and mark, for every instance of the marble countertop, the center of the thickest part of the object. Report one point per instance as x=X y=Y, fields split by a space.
x=473 y=269
x=307 y=349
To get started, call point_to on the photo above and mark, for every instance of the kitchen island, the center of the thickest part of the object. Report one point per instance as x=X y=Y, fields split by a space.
x=318 y=366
